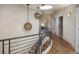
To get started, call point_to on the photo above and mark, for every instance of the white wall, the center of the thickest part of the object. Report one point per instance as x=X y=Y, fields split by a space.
x=12 y=20
x=68 y=23
x=77 y=29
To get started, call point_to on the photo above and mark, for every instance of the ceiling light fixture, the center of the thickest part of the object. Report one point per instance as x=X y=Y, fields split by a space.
x=46 y=7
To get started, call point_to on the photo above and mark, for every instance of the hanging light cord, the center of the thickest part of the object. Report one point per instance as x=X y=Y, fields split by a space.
x=43 y=11
x=27 y=12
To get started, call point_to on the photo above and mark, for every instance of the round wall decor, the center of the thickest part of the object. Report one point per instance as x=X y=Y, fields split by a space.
x=68 y=14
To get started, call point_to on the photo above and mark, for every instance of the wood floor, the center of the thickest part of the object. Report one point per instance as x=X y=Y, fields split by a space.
x=60 y=46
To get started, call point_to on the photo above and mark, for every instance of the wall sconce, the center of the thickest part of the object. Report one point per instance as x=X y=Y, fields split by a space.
x=68 y=14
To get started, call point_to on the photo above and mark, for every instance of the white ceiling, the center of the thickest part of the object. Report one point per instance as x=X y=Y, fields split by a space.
x=55 y=7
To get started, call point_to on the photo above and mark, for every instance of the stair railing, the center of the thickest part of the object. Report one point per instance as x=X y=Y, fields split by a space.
x=2 y=41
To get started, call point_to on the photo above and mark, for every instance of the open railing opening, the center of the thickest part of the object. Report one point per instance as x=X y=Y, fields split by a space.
x=18 y=45
x=31 y=44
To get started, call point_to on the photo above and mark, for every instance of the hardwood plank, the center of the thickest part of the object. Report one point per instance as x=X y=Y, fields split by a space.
x=60 y=46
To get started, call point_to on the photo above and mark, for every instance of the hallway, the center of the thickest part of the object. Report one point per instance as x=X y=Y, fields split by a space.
x=60 y=46
x=28 y=26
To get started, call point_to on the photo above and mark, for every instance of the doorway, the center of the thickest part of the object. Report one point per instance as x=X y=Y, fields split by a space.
x=60 y=21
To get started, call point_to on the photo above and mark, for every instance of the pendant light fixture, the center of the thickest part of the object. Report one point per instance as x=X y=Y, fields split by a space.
x=38 y=15
x=27 y=25
x=43 y=18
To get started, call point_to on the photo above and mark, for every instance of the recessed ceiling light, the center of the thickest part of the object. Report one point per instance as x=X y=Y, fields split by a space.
x=46 y=7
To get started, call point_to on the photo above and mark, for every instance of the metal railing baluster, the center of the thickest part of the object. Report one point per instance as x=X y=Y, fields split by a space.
x=9 y=47
x=2 y=47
